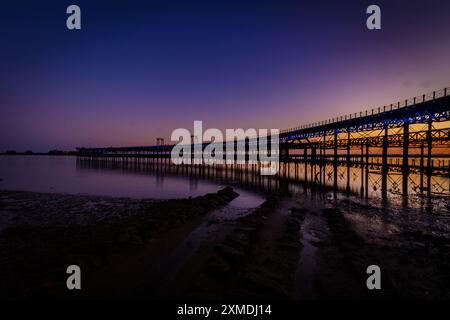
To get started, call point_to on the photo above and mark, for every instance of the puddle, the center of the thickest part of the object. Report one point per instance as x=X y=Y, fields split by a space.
x=306 y=265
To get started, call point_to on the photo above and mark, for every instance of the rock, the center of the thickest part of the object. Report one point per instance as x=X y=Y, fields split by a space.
x=263 y=286
x=137 y=240
x=229 y=253
x=218 y=268
x=95 y=261
x=235 y=241
x=289 y=246
x=214 y=221
x=246 y=230
x=123 y=238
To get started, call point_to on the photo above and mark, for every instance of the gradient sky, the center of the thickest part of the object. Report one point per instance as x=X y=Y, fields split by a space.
x=140 y=69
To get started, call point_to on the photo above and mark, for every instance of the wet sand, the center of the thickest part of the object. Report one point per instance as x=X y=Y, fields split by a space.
x=298 y=246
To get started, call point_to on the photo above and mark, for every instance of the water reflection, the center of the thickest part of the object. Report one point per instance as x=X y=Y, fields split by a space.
x=416 y=189
x=56 y=174
x=159 y=179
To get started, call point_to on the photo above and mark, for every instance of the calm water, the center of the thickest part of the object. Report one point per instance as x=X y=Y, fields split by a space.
x=61 y=175
x=65 y=175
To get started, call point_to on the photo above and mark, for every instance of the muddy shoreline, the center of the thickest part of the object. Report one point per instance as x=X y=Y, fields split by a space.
x=292 y=246
x=40 y=242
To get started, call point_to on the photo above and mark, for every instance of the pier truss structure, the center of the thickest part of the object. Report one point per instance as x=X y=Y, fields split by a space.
x=383 y=145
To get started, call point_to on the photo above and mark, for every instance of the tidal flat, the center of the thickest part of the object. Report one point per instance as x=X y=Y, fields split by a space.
x=291 y=246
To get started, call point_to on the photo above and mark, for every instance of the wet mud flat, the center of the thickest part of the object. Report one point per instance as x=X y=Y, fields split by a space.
x=292 y=246
x=105 y=236
x=304 y=246
x=255 y=258
x=411 y=247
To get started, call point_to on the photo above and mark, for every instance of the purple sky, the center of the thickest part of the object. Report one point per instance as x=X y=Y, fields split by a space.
x=138 y=70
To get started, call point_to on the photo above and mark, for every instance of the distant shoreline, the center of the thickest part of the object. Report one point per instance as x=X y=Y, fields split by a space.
x=62 y=153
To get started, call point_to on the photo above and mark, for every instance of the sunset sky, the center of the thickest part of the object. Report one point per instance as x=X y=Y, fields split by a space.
x=140 y=69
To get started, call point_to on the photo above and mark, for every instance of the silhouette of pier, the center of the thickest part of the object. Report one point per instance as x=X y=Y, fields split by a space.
x=407 y=141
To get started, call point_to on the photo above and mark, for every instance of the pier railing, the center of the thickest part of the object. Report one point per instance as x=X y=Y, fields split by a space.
x=393 y=106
